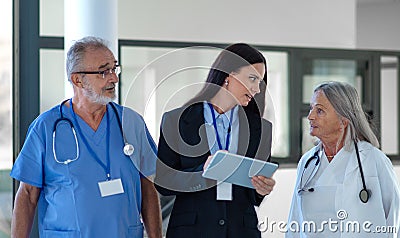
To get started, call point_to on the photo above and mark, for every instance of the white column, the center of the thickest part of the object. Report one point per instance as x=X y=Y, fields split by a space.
x=90 y=18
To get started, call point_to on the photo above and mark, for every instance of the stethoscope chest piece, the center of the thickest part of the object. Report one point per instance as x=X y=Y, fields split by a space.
x=364 y=195
x=128 y=149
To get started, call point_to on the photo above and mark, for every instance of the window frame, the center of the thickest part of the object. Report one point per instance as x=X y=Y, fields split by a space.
x=296 y=55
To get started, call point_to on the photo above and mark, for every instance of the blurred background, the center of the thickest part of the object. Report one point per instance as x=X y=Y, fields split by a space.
x=305 y=43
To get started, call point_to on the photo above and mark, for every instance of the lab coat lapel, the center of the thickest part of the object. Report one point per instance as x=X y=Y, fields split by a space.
x=353 y=163
x=311 y=164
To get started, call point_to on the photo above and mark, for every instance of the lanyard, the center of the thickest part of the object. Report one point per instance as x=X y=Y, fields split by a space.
x=78 y=129
x=216 y=130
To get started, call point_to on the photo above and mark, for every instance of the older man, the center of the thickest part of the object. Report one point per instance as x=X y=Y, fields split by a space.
x=74 y=166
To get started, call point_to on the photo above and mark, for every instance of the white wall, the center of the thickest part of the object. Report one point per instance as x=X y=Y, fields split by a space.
x=378 y=25
x=276 y=206
x=371 y=24
x=311 y=23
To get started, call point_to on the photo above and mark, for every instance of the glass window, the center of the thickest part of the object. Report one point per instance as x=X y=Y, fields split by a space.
x=277 y=101
x=155 y=80
x=317 y=71
x=389 y=105
x=5 y=118
x=53 y=82
x=307 y=141
x=51 y=17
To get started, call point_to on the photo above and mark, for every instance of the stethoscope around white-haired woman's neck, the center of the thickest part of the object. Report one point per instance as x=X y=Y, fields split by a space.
x=128 y=148
x=364 y=194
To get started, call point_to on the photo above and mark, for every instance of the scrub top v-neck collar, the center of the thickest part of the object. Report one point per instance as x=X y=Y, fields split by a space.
x=106 y=167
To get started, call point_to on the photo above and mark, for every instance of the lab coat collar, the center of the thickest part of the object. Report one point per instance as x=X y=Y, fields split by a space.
x=349 y=153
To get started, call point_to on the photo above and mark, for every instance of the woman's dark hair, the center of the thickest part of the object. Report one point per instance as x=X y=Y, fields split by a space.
x=232 y=59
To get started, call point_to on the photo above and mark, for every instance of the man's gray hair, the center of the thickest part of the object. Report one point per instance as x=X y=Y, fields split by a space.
x=76 y=53
x=345 y=100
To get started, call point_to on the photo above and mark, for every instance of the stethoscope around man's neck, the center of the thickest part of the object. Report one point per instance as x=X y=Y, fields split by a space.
x=128 y=148
x=364 y=194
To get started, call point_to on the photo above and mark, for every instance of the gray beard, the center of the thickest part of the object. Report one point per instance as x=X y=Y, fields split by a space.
x=94 y=97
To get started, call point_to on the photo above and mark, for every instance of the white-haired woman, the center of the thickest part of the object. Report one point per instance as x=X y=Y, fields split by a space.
x=346 y=186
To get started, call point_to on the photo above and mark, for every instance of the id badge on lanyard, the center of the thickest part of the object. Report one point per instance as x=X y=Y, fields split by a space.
x=111 y=187
x=224 y=189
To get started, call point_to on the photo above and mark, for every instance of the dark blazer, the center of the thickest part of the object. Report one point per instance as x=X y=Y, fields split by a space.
x=182 y=150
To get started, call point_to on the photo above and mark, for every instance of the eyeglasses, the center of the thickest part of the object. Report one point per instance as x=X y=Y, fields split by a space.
x=116 y=70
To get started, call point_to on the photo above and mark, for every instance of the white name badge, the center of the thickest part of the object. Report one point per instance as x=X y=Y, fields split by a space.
x=224 y=191
x=111 y=187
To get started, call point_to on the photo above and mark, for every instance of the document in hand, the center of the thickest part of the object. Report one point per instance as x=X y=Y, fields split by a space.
x=237 y=169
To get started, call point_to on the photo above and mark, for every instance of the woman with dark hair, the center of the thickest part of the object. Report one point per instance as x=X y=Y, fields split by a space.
x=231 y=60
x=225 y=115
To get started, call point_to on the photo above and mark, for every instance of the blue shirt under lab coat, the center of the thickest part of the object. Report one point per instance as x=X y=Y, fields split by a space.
x=70 y=203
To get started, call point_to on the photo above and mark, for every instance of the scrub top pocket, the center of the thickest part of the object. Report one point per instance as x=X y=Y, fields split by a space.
x=135 y=231
x=60 y=234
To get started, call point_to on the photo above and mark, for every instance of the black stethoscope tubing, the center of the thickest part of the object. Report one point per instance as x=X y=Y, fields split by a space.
x=364 y=194
x=315 y=156
x=128 y=148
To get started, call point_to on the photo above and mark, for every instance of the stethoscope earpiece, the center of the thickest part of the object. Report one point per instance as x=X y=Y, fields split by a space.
x=128 y=149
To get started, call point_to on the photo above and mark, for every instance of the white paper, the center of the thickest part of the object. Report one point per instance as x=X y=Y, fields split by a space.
x=224 y=191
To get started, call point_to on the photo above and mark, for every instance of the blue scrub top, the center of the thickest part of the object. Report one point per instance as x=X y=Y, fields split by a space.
x=70 y=204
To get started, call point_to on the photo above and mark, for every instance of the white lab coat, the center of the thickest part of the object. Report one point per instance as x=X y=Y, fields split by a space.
x=380 y=212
